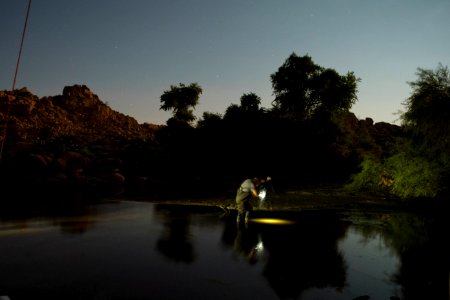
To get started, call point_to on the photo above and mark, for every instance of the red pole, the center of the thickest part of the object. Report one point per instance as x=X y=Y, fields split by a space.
x=5 y=127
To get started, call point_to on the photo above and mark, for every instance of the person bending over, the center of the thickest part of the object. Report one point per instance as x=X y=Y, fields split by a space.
x=247 y=191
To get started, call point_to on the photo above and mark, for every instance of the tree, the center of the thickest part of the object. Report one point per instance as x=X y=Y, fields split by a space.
x=250 y=103
x=333 y=92
x=421 y=165
x=232 y=113
x=291 y=85
x=428 y=110
x=248 y=110
x=210 y=120
x=182 y=100
x=427 y=118
x=301 y=88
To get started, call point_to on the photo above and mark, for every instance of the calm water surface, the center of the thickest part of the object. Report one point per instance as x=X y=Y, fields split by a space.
x=138 y=250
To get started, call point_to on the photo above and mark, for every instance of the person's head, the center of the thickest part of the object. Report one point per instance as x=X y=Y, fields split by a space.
x=259 y=180
x=256 y=181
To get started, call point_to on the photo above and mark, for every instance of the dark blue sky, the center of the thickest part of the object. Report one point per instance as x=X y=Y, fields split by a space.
x=130 y=52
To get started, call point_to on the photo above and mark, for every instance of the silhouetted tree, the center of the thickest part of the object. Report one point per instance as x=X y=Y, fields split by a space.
x=210 y=120
x=333 y=92
x=427 y=118
x=232 y=112
x=250 y=102
x=182 y=100
x=178 y=137
x=428 y=110
x=249 y=108
x=301 y=87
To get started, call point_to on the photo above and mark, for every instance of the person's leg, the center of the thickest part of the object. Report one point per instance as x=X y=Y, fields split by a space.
x=240 y=204
x=247 y=216
x=248 y=208
x=240 y=216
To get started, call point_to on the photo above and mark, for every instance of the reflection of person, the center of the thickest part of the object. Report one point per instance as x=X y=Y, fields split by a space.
x=247 y=191
x=248 y=244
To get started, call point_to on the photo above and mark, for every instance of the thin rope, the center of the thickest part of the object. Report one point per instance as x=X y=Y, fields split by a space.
x=14 y=80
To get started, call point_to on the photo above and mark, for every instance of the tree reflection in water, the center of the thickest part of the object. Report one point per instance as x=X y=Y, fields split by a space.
x=174 y=242
x=322 y=255
x=297 y=256
x=422 y=246
x=306 y=255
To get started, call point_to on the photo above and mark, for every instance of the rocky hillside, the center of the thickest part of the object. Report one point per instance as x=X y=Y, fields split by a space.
x=78 y=112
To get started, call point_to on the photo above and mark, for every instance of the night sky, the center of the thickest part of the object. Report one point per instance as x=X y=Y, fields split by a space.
x=130 y=52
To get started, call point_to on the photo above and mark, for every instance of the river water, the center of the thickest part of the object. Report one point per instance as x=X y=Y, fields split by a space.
x=140 y=250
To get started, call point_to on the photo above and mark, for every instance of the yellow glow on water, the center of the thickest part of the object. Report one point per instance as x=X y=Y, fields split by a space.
x=272 y=221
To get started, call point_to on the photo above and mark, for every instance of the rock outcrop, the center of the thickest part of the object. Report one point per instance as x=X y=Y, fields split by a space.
x=66 y=144
x=78 y=112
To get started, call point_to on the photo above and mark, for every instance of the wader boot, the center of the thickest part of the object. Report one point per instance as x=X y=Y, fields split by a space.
x=247 y=216
x=243 y=216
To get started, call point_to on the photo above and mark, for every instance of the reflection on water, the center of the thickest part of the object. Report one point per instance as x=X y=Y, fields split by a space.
x=175 y=239
x=137 y=250
x=298 y=256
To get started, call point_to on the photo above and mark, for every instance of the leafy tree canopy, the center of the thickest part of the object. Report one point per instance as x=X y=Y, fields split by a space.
x=209 y=120
x=421 y=165
x=428 y=108
x=250 y=102
x=301 y=88
x=249 y=108
x=181 y=100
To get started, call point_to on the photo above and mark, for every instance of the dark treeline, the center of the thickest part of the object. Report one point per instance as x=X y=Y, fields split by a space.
x=308 y=137
x=300 y=140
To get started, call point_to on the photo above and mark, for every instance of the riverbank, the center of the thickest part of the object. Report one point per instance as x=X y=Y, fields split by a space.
x=283 y=200
x=306 y=199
